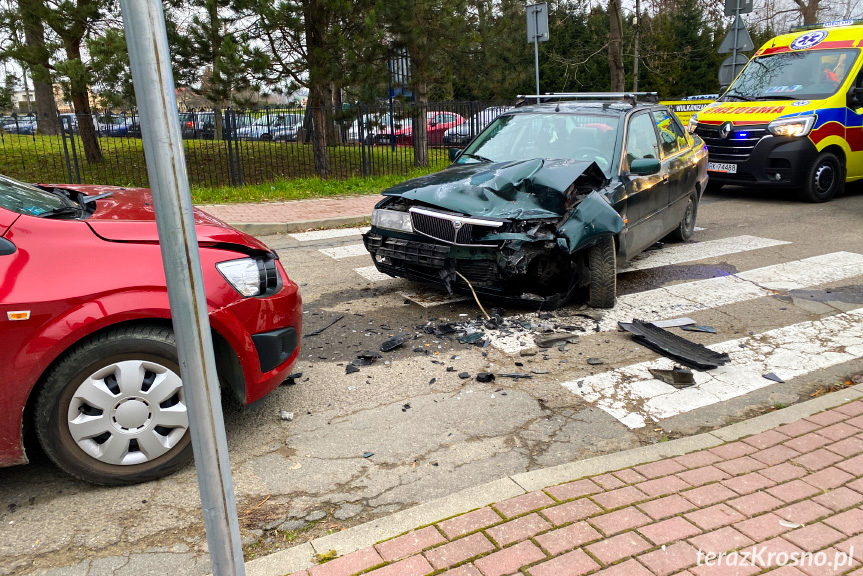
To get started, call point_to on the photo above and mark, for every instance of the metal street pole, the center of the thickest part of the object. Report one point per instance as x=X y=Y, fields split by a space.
x=637 y=30
x=536 y=48
x=147 y=41
x=736 y=32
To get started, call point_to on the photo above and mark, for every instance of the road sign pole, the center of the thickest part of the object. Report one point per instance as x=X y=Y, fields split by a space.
x=736 y=33
x=536 y=48
x=635 y=57
x=147 y=41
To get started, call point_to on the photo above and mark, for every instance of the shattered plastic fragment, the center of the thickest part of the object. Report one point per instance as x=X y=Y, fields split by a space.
x=516 y=375
x=471 y=338
x=350 y=369
x=549 y=340
x=368 y=454
x=774 y=377
x=697 y=328
x=485 y=377
x=286 y=416
x=395 y=342
x=464 y=375
x=679 y=377
x=673 y=346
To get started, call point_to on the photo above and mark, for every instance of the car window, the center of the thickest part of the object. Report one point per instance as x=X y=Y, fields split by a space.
x=671 y=135
x=641 y=139
x=26 y=199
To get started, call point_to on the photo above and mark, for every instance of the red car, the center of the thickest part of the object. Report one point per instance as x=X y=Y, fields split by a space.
x=438 y=124
x=88 y=351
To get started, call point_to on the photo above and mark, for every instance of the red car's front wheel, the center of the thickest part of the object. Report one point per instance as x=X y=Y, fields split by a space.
x=113 y=412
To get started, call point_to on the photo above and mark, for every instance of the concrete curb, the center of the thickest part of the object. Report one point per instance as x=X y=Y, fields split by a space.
x=353 y=539
x=267 y=228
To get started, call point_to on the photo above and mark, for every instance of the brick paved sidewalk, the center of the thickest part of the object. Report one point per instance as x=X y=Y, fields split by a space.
x=794 y=489
x=313 y=210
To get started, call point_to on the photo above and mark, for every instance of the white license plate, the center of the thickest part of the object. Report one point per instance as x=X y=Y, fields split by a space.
x=717 y=167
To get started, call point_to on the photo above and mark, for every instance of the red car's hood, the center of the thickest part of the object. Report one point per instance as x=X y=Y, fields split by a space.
x=128 y=216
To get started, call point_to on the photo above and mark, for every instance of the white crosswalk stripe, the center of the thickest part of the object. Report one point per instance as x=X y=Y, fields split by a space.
x=683 y=299
x=631 y=395
x=315 y=235
x=680 y=253
x=371 y=274
x=346 y=251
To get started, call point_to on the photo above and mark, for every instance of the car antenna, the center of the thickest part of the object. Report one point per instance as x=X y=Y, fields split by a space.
x=557 y=108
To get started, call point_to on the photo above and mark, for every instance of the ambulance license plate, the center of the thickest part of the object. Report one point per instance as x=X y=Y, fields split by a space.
x=717 y=167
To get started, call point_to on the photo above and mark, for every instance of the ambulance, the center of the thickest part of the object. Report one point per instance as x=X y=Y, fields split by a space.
x=793 y=117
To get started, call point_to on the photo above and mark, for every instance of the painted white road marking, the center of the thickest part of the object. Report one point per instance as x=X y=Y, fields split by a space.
x=683 y=299
x=679 y=253
x=371 y=274
x=327 y=234
x=346 y=251
x=635 y=398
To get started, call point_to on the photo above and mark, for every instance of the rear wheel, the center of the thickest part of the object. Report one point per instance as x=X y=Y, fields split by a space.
x=113 y=411
x=684 y=230
x=825 y=179
x=602 y=261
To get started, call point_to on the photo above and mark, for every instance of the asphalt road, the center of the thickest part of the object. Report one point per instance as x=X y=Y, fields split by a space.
x=780 y=282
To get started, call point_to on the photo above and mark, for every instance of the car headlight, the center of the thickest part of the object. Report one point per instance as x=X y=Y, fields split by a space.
x=392 y=220
x=251 y=276
x=794 y=127
x=693 y=124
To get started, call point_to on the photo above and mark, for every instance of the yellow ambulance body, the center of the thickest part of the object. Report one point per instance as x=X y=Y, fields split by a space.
x=793 y=117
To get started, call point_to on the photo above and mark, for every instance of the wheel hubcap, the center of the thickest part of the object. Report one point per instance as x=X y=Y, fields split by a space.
x=824 y=177
x=128 y=412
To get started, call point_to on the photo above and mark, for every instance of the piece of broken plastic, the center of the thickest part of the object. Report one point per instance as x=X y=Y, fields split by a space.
x=395 y=342
x=673 y=346
x=550 y=340
x=678 y=377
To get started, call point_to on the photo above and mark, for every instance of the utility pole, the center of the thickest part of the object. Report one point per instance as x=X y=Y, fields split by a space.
x=150 y=62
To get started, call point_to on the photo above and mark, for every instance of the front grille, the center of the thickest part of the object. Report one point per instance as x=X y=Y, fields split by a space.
x=478 y=271
x=736 y=148
x=450 y=228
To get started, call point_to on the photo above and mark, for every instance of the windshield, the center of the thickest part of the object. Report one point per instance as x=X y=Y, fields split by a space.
x=26 y=199
x=802 y=75
x=564 y=136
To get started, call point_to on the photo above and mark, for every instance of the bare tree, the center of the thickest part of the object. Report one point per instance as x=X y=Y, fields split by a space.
x=615 y=46
x=808 y=10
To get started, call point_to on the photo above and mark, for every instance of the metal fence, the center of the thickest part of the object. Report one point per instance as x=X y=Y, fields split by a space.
x=251 y=146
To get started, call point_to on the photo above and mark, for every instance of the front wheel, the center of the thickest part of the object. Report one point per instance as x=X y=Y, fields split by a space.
x=602 y=261
x=113 y=411
x=824 y=179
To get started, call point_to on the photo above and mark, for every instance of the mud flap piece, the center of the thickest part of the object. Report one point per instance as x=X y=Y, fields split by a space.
x=594 y=217
x=673 y=346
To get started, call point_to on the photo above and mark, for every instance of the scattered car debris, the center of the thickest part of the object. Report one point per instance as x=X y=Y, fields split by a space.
x=319 y=330
x=595 y=361
x=673 y=346
x=351 y=369
x=773 y=377
x=674 y=322
x=697 y=328
x=292 y=379
x=432 y=381
x=679 y=377
x=366 y=358
x=286 y=416
x=395 y=342
x=406 y=407
x=539 y=371
x=550 y=340
x=787 y=524
x=484 y=377
x=516 y=375
x=471 y=338
x=464 y=375
x=368 y=454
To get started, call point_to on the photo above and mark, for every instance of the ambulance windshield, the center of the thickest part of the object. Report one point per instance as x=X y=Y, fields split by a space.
x=800 y=75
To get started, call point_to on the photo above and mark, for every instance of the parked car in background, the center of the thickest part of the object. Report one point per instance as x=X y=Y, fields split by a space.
x=88 y=350
x=114 y=126
x=437 y=124
x=541 y=205
x=271 y=127
x=464 y=132
x=24 y=125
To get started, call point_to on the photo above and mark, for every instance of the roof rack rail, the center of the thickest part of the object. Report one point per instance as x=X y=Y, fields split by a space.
x=631 y=97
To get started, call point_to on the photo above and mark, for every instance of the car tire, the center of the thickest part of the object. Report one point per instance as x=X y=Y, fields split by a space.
x=602 y=262
x=684 y=230
x=824 y=179
x=112 y=410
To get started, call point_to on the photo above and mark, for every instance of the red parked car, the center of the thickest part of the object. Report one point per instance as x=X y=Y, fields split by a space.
x=438 y=124
x=88 y=352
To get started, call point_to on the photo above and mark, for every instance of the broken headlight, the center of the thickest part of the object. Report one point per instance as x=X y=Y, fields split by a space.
x=244 y=275
x=798 y=126
x=392 y=220
x=693 y=124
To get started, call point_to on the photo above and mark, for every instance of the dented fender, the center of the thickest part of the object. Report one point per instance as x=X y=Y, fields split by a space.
x=592 y=218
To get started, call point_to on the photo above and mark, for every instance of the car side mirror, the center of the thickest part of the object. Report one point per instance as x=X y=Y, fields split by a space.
x=454 y=153
x=855 y=95
x=644 y=166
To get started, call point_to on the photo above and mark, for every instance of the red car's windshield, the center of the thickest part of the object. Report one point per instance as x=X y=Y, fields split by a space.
x=26 y=199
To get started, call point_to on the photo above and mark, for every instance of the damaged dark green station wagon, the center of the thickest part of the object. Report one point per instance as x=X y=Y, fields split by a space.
x=542 y=205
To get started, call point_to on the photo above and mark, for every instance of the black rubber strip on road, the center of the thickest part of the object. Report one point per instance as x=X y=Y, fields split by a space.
x=673 y=346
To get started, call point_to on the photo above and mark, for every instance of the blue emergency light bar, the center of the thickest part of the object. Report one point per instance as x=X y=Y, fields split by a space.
x=833 y=24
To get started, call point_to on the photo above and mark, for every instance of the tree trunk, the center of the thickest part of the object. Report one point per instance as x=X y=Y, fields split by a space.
x=420 y=122
x=218 y=123
x=34 y=39
x=809 y=11
x=319 y=129
x=615 y=46
x=86 y=129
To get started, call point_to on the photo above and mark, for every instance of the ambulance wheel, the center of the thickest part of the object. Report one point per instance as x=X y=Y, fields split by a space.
x=824 y=179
